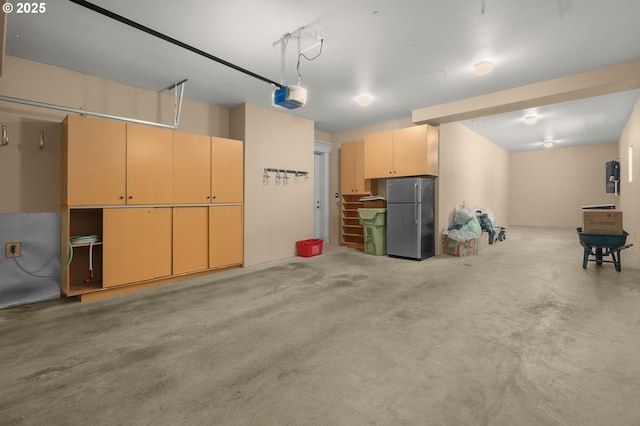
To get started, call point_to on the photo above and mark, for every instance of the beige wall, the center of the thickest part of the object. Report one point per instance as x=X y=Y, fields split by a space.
x=474 y=171
x=32 y=174
x=548 y=187
x=630 y=191
x=276 y=216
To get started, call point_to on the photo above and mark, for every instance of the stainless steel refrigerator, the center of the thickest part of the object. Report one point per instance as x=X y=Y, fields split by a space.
x=410 y=218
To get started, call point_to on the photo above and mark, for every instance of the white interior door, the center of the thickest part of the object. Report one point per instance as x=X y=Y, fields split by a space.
x=322 y=151
x=317 y=222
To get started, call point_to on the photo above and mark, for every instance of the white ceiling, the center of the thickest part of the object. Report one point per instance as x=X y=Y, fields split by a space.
x=408 y=54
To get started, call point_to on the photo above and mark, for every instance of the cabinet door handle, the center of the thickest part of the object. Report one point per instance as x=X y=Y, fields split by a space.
x=131 y=197
x=122 y=197
x=208 y=197
x=214 y=197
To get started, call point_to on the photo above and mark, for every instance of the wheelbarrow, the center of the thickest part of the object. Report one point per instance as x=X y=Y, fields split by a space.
x=597 y=246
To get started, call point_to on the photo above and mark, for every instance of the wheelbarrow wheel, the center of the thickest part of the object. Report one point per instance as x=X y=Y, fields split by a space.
x=599 y=256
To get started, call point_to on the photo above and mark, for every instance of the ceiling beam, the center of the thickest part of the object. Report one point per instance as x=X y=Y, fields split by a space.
x=603 y=81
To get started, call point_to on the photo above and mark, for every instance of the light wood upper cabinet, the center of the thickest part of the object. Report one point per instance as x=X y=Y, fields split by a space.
x=225 y=236
x=352 y=168
x=191 y=168
x=149 y=165
x=93 y=161
x=405 y=152
x=410 y=151
x=190 y=239
x=378 y=155
x=136 y=245
x=227 y=171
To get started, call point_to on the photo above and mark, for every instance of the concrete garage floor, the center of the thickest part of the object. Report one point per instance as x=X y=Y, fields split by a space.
x=517 y=335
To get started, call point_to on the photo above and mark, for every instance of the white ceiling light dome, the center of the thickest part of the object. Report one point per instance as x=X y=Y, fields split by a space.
x=483 y=67
x=364 y=100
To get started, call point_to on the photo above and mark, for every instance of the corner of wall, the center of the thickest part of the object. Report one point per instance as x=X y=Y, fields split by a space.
x=237 y=118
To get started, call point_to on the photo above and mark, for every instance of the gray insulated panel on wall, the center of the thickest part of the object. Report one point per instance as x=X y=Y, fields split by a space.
x=39 y=234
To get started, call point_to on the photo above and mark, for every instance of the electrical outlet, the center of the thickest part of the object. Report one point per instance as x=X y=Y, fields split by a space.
x=13 y=250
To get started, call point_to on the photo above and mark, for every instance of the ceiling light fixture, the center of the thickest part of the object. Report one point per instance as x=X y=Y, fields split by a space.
x=364 y=100
x=531 y=119
x=547 y=144
x=482 y=68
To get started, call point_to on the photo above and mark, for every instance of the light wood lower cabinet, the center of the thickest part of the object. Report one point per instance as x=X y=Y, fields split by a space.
x=225 y=236
x=190 y=239
x=141 y=246
x=136 y=245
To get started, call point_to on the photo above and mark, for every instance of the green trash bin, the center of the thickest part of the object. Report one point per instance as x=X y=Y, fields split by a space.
x=374 y=223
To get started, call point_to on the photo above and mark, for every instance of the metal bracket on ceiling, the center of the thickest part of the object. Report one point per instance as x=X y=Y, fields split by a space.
x=81 y=112
x=177 y=99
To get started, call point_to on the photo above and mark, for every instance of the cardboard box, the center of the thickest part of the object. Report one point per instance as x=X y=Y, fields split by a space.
x=459 y=248
x=607 y=222
x=483 y=241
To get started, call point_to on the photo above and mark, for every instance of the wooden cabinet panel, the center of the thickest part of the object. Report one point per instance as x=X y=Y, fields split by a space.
x=378 y=155
x=190 y=239
x=405 y=152
x=93 y=162
x=191 y=168
x=226 y=244
x=227 y=171
x=162 y=242
x=361 y=184
x=352 y=168
x=149 y=165
x=347 y=167
x=410 y=151
x=433 y=140
x=136 y=245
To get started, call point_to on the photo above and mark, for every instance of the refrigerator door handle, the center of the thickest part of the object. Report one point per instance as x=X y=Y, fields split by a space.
x=415 y=203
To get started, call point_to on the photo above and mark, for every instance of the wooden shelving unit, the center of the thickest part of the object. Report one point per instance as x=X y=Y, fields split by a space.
x=352 y=232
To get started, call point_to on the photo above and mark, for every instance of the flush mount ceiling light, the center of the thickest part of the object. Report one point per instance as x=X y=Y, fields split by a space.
x=364 y=100
x=547 y=144
x=531 y=119
x=482 y=68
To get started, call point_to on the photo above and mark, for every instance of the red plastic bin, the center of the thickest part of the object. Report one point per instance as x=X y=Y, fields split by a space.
x=308 y=248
